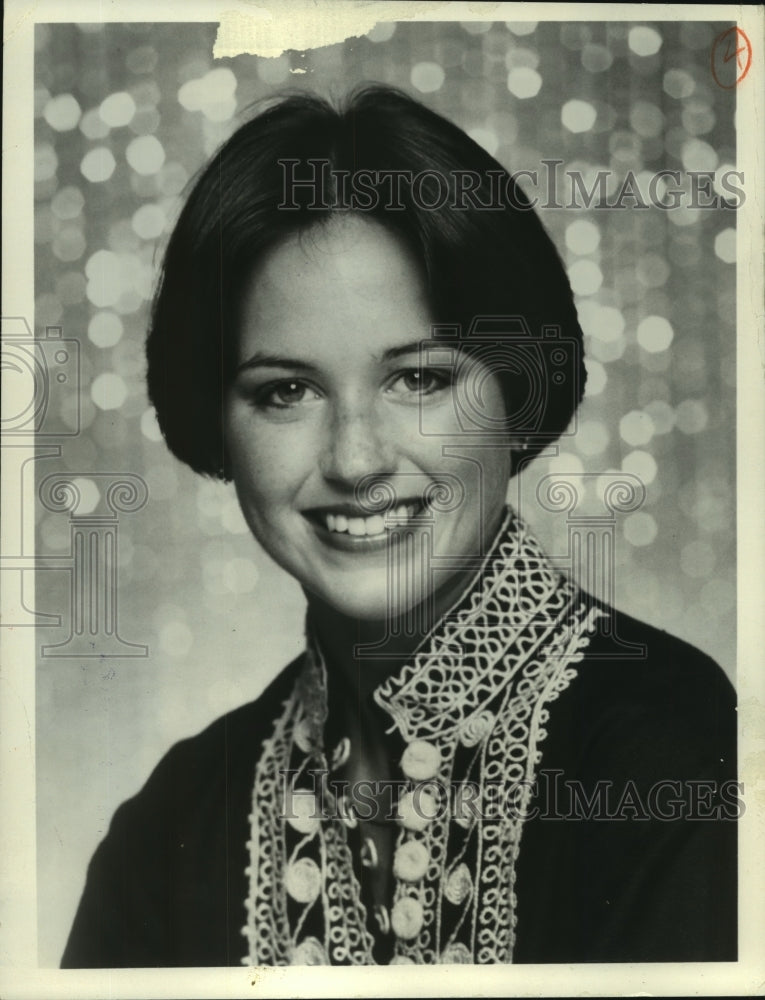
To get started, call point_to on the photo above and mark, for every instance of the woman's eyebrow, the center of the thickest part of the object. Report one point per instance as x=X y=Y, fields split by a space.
x=396 y=352
x=259 y=360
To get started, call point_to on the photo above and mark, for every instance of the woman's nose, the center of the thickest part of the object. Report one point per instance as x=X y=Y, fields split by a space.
x=356 y=445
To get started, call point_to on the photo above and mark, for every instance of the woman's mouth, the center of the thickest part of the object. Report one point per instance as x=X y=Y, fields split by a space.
x=376 y=524
x=349 y=523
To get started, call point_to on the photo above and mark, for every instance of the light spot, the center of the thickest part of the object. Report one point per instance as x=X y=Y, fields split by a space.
x=486 y=138
x=105 y=329
x=150 y=425
x=93 y=126
x=175 y=639
x=604 y=323
x=596 y=58
x=641 y=464
x=145 y=154
x=117 y=109
x=69 y=243
x=592 y=437
x=640 y=529
x=142 y=60
x=108 y=391
x=644 y=41
x=89 y=495
x=149 y=221
x=62 y=113
x=678 y=83
x=45 y=162
x=646 y=119
x=521 y=28
x=582 y=236
x=662 y=414
x=699 y=155
x=655 y=334
x=427 y=77
x=524 y=82
x=67 y=203
x=725 y=246
x=691 y=416
x=585 y=277
x=636 y=428
x=98 y=165
x=578 y=116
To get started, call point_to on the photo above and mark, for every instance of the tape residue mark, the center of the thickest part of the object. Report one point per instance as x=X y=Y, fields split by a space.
x=300 y=25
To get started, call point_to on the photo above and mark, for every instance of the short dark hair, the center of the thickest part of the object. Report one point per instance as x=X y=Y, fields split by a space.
x=492 y=261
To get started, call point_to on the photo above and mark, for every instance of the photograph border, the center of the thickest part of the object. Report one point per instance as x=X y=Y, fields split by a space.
x=272 y=25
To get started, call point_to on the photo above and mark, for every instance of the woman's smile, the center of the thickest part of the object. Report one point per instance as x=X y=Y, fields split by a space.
x=338 y=433
x=357 y=523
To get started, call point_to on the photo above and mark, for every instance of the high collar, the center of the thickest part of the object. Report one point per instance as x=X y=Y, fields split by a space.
x=515 y=602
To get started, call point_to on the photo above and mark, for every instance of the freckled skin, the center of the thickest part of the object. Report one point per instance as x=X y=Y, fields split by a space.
x=336 y=407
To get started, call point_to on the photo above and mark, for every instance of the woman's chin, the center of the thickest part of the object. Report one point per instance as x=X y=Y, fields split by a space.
x=371 y=603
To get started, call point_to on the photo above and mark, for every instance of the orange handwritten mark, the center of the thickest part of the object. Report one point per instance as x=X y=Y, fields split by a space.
x=731 y=58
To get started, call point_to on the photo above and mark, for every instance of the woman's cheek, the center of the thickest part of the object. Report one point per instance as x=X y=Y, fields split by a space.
x=269 y=459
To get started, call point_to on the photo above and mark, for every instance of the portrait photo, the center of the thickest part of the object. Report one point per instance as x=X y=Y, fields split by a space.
x=382 y=499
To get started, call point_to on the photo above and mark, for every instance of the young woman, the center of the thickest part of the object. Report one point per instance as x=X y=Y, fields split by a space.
x=361 y=323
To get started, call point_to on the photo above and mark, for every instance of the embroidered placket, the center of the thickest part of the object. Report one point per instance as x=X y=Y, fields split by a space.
x=471 y=706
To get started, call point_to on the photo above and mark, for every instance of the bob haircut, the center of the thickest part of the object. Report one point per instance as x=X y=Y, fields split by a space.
x=495 y=283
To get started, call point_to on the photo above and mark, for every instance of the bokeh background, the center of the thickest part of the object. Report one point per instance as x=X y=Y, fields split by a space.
x=125 y=116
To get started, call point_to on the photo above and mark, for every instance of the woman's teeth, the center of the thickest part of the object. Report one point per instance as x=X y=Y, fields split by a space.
x=377 y=524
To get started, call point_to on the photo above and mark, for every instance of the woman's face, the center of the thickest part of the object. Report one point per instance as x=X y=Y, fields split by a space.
x=332 y=394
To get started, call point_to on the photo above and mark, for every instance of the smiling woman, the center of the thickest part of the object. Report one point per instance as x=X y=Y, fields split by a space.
x=309 y=418
x=473 y=761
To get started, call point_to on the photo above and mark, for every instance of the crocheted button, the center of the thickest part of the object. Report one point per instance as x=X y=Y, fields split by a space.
x=302 y=736
x=309 y=952
x=369 y=853
x=456 y=954
x=416 y=809
x=401 y=960
x=476 y=729
x=421 y=760
x=383 y=918
x=347 y=813
x=406 y=918
x=459 y=885
x=303 y=811
x=410 y=862
x=341 y=753
x=303 y=880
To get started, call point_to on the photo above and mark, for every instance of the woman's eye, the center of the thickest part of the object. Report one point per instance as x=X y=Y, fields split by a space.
x=284 y=394
x=422 y=381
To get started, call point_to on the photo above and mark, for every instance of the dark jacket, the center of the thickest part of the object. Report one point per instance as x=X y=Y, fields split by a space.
x=628 y=854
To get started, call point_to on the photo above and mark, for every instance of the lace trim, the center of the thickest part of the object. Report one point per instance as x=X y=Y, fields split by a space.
x=478 y=690
x=520 y=600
